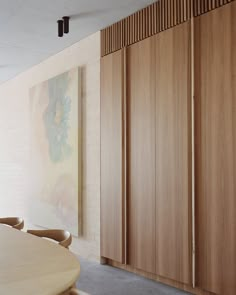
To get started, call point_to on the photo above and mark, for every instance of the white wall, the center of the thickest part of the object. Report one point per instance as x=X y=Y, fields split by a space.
x=15 y=138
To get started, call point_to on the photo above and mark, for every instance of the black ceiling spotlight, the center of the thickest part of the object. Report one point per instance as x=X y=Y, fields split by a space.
x=66 y=24
x=60 y=28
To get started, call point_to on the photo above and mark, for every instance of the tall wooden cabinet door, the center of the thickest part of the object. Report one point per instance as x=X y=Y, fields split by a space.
x=173 y=153
x=215 y=89
x=141 y=155
x=112 y=155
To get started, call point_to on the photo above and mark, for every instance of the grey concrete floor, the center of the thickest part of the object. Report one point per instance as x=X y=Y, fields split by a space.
x=96 y=279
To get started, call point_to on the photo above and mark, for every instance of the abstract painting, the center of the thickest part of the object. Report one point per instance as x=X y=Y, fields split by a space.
x=55 y=107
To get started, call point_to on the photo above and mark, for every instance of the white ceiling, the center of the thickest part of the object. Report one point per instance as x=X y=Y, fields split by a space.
x=28 y=28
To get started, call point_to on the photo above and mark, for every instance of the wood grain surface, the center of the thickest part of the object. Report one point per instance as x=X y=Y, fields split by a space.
x=32 y=265
x=112 y=157
x=173 y=154
x=215 y=91
x=141 y=155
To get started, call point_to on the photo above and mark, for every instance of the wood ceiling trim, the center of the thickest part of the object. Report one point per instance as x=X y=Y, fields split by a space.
x=153 y=19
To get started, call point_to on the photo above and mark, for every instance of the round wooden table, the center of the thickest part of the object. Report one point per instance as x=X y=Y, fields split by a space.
x=30 y=265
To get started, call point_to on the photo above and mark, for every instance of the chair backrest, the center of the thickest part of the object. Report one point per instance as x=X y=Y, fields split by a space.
x=15 y=222
x=74 y=291
x=63 y=237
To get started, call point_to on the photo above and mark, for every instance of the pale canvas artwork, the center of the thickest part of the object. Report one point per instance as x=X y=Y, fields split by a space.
x=56 y=152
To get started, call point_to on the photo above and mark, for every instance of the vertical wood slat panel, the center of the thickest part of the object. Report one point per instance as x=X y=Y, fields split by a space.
x=203 y=6
x=144 y=23
x=185 y=11
x=190 y=9
x=110 y=33
x=123 y=33
x=153 y=19
x=102 y=43
x=140 y=26
x=199 y=7
x=174 y=12
x=165 y=14
x=128 y=30
x=119 y=34
x=160 y=15
x=108 y=39
x=133 y=28
x=115 y=44
x=148 y=32
x=171 y=13
x=181 y=10
x=178 y=11
x=113 y=36
x=150 y=21
x=103 y=37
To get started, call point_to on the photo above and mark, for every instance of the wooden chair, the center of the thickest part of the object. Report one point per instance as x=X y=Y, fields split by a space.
x=14 y=222
x=74 y=291
x=63 y=237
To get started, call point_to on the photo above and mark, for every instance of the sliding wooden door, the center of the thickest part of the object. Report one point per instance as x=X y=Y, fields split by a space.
x=112 y=157
x=215 y=89
x=141 y=155
x=173 y=154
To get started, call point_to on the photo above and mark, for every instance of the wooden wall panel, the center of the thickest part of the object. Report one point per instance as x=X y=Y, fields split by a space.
x=173 y=154
x=203 y=6
x=112 y=157
x=152 y=20
x=141 y=155
x=149 y=21
x=215 y=90
x=186 y=287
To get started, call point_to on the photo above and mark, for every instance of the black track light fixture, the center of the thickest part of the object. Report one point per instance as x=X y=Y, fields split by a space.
x=60 y=27
x=66 y=20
